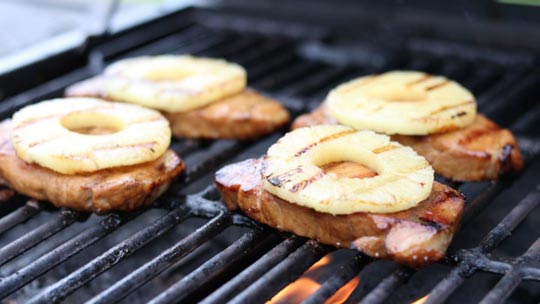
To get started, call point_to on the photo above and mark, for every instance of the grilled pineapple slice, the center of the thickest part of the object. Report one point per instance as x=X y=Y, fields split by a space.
x=48 y=133
x=173 y=83
x=293 y=171
x=402 y=102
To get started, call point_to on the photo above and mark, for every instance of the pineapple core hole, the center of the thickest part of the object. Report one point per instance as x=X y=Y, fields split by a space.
x=92 y=123
x=348 y=169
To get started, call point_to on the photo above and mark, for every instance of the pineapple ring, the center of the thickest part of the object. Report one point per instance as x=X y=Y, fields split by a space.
x=173 y=83
x=402 y=102
x=293 y=171
x=47 y=134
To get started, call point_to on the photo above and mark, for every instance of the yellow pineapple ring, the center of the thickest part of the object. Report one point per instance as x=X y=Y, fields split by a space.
x=173 y=83
x=293 y=171
x=49 y=134
x=402 y=102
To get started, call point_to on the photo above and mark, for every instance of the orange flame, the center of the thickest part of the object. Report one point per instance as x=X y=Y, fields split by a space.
x=344 y=292
x=320 y=263
x=303 y=287
x=421 y=300
x=296 y=292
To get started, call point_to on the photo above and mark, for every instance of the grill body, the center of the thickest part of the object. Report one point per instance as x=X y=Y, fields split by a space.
x=188 y=247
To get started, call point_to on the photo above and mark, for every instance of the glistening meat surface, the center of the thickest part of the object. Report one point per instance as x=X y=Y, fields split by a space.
x=122 y=188
x=245 y=115
x=480 y=151
x=415 y=237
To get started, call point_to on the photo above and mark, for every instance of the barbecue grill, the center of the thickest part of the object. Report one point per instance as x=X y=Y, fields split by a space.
x=188 y=247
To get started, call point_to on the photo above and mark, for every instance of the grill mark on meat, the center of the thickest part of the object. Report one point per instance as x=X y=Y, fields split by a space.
x=415 y=237
x=438 y=85
x=483 y=158
x=419 y=80
x=475 y=134
x=437 y=226
x=324 y=139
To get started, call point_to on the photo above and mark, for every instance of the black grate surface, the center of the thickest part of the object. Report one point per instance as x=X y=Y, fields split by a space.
x=188 y=247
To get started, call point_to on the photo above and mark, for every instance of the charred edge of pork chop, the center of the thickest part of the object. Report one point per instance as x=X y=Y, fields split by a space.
x=246 y=115
x=480 y=151
x=123 y=188
x=415 y=237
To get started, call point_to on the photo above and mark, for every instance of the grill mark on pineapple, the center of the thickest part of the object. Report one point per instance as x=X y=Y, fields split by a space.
x=429 y=116
x=282 y=178
x=366 y=80
x=324 y=139
x=28 y=122
x=385 y=149
x=419 y=80
x=438 y=85
x=146 y=120
x=303 y=184
x=45 y=140
x=149 y=145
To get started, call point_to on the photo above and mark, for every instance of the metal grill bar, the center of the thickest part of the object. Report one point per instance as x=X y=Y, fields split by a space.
x=345 y=273
x=75 y=280
x=37 y=236
x=239 y=44
x=193 y=37
x=512 y=278
x=283 y=274
x=180 y=290
x=151 y=269
x=271 y=46
x=20 y=215
x=510 y=222
x=253 y=272
x=313 y=83
x=286 y=76
x=266 y=67
x=60 y=254
x=468 y=266
x=383 y=290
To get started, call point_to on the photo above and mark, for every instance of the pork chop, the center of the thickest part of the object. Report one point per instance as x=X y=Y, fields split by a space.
x=122 y=188
x=415 y=237
x=480 y=151
x=246 y=115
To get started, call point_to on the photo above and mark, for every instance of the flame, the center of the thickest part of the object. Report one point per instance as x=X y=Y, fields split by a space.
x=320 y=263
x=344 y=292
x=303 y=287
x=421 y=300
x=296 y=292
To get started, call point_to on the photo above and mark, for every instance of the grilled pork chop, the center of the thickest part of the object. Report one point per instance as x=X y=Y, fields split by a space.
x=123 y=188
x=246 y=115
x=480 y=151
x=415 y=237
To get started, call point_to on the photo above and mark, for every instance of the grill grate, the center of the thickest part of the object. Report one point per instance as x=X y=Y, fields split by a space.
x=277 y=67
